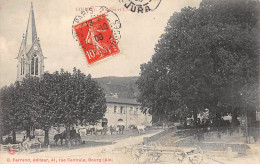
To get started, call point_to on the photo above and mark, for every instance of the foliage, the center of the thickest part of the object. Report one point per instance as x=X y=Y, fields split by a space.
x=207 y=58
x=79 y=98
x=58 y=98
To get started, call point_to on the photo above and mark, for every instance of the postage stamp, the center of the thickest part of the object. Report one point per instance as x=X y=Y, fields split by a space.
x=96 y=38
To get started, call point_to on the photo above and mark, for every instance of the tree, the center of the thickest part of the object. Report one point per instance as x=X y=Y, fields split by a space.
x=40 y=104
x=2 y=92
x=78 y=99
x=29 y=94
x=205 y=59
x=47 y=104
x=11 y=106
x=58 y=98
x=63 y=98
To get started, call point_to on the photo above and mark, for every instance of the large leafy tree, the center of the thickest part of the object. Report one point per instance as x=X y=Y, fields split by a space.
x=29 y=94
x=78 y=99
x=2 y=90
x=40 y=104
x=11 y=107
x=47 y=104
x=207 y=58
x=58 y=98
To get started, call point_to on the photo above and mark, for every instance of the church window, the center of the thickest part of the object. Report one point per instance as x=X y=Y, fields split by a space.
x=32 y=66
x=22 y=66
x=36 y=66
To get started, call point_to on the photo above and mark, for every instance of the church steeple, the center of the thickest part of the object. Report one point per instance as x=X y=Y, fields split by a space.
x=31 y=34
x=30 y=57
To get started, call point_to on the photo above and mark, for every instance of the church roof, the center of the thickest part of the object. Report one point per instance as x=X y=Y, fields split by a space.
x=31 y=33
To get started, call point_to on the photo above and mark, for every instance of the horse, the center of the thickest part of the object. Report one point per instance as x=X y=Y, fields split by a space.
x=113 y=129
x=105 y=129
x=82 y=131
x=60 y=137
x=120 y=129
x=73 y=137
x=102 y=130
x=91 y=130
x=140 y=129
x=132 y=127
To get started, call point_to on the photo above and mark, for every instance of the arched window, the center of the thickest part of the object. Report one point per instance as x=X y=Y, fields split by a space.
x=22 y=66
x=36 y=66
x=32 y=66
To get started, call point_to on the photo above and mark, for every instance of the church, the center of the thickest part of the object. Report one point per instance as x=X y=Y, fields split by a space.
x=30 y=56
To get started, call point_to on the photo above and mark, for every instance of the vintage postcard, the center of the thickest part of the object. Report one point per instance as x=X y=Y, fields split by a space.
x=129 y=82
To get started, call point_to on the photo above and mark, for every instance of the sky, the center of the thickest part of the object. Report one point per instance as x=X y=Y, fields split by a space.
x=139 y=35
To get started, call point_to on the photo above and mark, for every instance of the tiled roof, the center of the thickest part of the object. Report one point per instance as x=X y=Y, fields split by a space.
x=122 y=101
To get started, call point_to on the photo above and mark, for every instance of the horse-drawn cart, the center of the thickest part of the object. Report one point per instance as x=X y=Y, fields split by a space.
x=150 y=154
x=30 y=145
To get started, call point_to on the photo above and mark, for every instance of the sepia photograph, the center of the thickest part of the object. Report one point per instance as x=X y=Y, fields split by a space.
x=129 y=82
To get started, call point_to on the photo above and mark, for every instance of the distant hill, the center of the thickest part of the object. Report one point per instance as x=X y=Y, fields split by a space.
x=122 y=87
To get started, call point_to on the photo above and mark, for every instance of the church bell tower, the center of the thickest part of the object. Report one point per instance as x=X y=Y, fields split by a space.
x=30 y=57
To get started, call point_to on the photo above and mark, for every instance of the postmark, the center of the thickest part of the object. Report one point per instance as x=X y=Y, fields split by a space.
x=96 y=38
x=94 y=11
x=141 y=6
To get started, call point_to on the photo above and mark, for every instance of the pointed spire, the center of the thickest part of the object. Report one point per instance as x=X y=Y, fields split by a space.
x=31 y=33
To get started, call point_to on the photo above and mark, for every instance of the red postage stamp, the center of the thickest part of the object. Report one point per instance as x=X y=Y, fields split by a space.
x=96 y=38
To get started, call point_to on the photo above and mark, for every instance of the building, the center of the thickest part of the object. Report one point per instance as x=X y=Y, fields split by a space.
x=30 y=57
x=125 y=111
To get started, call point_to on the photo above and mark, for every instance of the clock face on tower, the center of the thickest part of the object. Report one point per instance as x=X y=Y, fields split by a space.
x=35 y=47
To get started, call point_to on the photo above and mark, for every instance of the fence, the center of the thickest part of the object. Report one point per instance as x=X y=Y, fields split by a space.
x=11 y=148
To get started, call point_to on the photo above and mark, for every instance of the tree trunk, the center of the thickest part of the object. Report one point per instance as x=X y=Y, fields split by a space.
x=252 y=127
x=68 y=136
x=218 y=116
x=33 y=129
x=234 y=118
x=195 y=116
x=28 y=132
x=1 y=135
x=1 y=139
x=46 y=137
x=14 y=136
